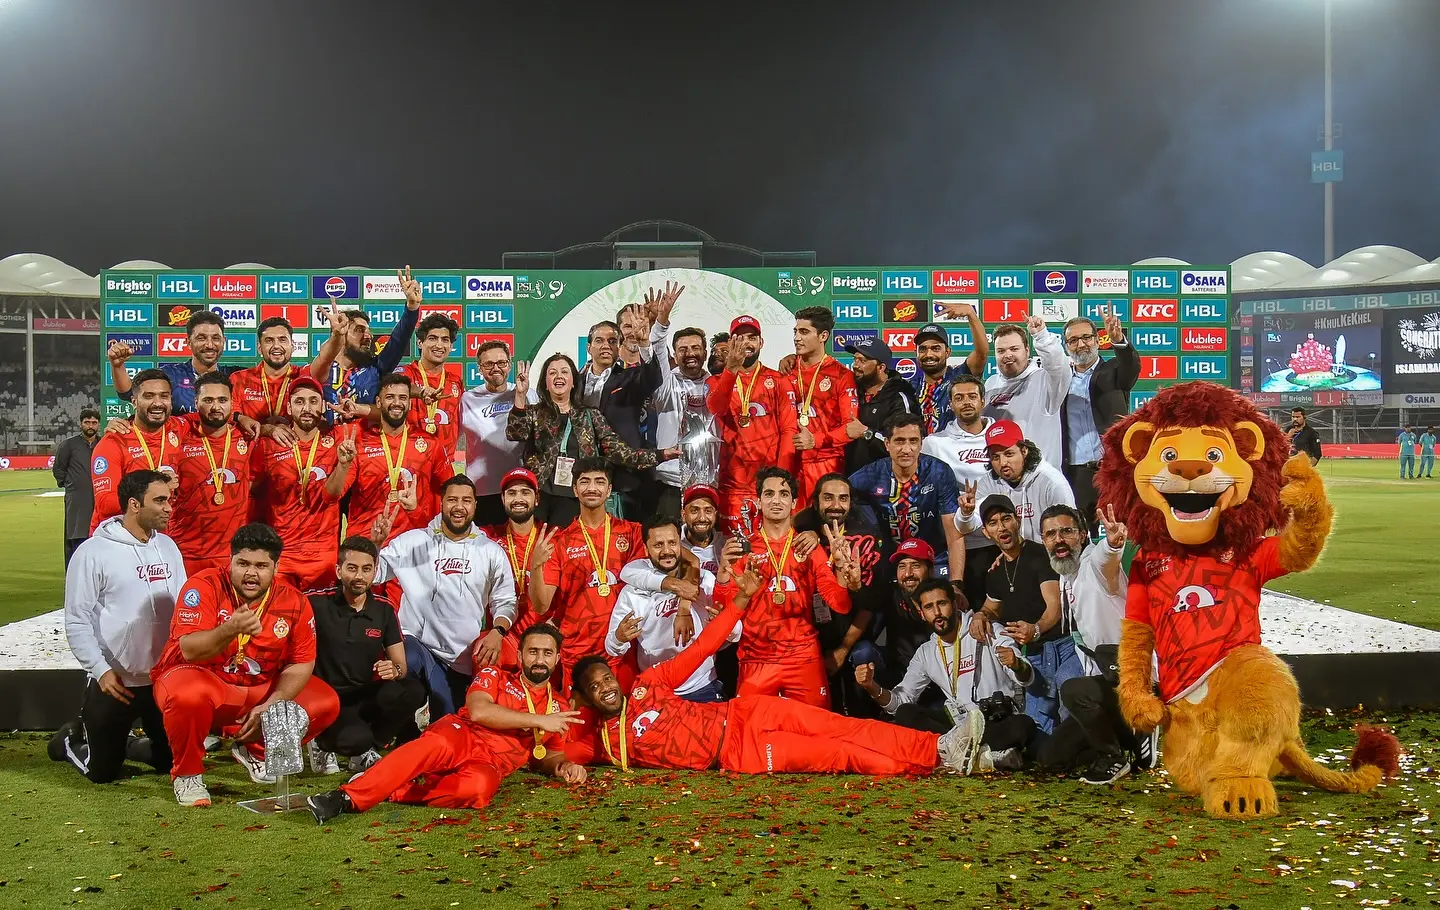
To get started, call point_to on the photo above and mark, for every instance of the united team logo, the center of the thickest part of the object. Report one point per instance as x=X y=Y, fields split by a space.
x=452 y=565
x=158 y=571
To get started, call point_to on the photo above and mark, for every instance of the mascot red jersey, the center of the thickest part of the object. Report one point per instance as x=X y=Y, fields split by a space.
x=1201 y=480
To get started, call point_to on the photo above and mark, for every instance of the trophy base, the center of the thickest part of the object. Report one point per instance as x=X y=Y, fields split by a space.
x=282 y=801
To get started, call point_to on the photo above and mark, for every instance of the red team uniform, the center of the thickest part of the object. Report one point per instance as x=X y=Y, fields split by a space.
x=579 y=609
x=461 y=761
x=413 y=454
x=200 y=525
x=827 y=402
x=753 y=734
x=517 y=552
x=303 y=514
x=1200 y=607
x=259 y=396
x=117 y=454
x=779 y=648
x=755 y=413
x=441 y=419
x=210 y=696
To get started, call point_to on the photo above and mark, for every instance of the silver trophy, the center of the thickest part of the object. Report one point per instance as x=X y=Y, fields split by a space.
x=699 y=449
x=283 y=726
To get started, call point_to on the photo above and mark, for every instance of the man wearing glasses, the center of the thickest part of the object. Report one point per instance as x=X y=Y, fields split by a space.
x=1099 y=395
x=484 y=410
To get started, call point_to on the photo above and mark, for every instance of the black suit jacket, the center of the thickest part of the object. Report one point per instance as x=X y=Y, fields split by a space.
x=622 y=402
x=1110 y=385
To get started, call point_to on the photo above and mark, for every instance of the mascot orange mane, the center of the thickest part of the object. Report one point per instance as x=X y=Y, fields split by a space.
x=1200 y=478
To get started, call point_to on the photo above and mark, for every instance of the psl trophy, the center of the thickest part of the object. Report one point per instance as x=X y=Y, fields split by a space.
x=699 y=449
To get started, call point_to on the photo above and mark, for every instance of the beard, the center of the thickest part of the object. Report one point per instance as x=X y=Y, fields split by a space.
x=457 y=529
x=716 y=366
x=1085 y=361
x=520 y=516
x=537 y=673
x=1067 y=566
x=360 y=357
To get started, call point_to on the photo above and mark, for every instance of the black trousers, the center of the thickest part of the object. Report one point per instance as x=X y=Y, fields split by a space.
x=372 y=716
x=1095 y=725
x=489 y=510
x=977 y=566
x=97 y=748
x=1018 y=731
x=1082 y=483
x=71 y=545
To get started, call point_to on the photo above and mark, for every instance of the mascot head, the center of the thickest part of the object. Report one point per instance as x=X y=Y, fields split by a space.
x=1196 y=468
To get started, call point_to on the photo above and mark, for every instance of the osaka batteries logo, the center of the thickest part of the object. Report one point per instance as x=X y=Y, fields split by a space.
x=1421 y=337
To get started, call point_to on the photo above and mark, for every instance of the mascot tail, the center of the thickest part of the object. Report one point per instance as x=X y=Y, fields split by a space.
x=1376 y=756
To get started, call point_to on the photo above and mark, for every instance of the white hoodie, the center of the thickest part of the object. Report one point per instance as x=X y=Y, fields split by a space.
x=448 y=587
x=1088 y=606
x=1037 y=491
x=1034 y=398
x=119 y=595
x=671 y=401
x=656 y=611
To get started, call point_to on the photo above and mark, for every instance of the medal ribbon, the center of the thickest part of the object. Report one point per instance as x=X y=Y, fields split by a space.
x=814 y=378
x=784 y=555
x=274 y=407
x=304 y=472
x=150 y=459
x=242 y=639
x=516 y=565
x=624 y=763
x=217 y=475
x=530 y=707
x=434 y=406
x=953 y=674
x=600 y=573
x=393 y=465
x=745 y=393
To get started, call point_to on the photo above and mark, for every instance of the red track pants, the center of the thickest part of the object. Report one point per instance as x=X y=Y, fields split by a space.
x=458 y=771
x=196 y=703
x=764 y=734
x=811 y=470
x=799 y=682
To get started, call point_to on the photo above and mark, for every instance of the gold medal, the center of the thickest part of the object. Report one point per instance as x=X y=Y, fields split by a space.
x=394 y=465
x=394 y=496
x=598 y=559
x=744 y=421
x=778 y=597
x=804 y=420
x=538 y=752
x=429 y=426
x=218 y=470
x=810 y=393
x=219 y=498
x=604 y=589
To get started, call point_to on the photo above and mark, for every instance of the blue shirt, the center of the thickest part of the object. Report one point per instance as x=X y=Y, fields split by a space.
x=363 y=383
x=1083 y=442
x=913 y=510
x=935 y=405
x=1427 y=443
x=182 y=383
x=1407 y=443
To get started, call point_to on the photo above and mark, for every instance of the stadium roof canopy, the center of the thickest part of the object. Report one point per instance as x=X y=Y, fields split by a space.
x=35 y=274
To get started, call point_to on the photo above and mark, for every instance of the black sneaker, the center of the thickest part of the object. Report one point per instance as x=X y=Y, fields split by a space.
x=1147 y=750
x=1106 y=769
x=326 y=806
x=56 y=747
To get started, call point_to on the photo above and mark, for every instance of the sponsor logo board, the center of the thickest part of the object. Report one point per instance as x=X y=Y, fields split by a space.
x=383 y=317
x=137 y=284
x=905 y=282
x=141 y=345
x=284 y=287
x=1153 y=338
x=182 y=287
x=899 y=341
x=489 y=287
x=1207 y=311
x=905 y=310
x=175 y=315
x=381 y=287
x=1005 y=281
x=132 y=367
x=959 y=283
x=1053 y=309
x=1202 y=367
x=1204 y=339
x=1204 y=282
x=1153 y=281
x=454 y=310
x=938 y=314
x=473 y=341
x=130 y=314
x=1005 y=310
x=1147 y=310
x=239 y=347
x=1094 y=309
x=1055 y=281
x=906 y=367
x=172 y=344
x=297 y=314
x=1159 y=366
x=442 y=287
x=236 y=315
x=1139 y=398
x=1104 y=281
x=852 y=284
x=855 y=311
x=489 y=316
x=234 y=287
x=336 y=287
x=842 y=337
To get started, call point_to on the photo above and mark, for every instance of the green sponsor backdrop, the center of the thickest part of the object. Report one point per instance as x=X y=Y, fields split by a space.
x=1180 y=319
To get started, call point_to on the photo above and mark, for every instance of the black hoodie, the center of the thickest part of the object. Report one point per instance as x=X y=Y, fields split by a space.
x=896 y=396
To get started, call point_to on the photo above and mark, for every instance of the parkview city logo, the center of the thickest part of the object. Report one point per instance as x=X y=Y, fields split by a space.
x=234 y=287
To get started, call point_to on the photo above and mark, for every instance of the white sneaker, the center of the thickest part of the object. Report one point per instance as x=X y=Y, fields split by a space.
x=1004 y=760
x=190 y=791
x=960 y=746
x=422 y=717
x=322 y=762
x=255 y=766
x=364 y=761
x=212 y=742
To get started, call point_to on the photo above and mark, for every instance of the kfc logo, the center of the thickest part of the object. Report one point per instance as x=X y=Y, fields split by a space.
x=1155 y=310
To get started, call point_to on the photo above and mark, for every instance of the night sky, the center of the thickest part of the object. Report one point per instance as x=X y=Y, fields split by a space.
x=320 y=134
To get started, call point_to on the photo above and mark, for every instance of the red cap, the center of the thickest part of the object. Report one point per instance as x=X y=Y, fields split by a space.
x=1003 y=434
x=306 y=382
x=745 y=324
x=519 y=475
x=914 y=548
x=700 y=491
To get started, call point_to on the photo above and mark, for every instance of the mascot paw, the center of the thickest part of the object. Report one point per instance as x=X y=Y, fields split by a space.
x=1303 y=484
x=1144 y=712
x=1241 y=797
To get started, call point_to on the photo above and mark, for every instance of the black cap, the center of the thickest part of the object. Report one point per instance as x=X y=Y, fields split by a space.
x=873 y=348
x=932 y=330
x=995 y=502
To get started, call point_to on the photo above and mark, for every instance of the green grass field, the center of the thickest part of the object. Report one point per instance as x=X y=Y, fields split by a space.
x=714 y=840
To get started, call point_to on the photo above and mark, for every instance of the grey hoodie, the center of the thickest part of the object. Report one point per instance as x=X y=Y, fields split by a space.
x=119 y=594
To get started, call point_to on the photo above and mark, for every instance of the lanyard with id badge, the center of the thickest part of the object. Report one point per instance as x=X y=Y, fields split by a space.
x=565 y=464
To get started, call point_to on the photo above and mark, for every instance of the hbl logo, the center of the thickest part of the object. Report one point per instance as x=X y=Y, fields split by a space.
x=284 y=287
x=905 y=282
x=1006 y=280
x=855 y=311
x=1202 y=368
x=1211 y=311
x=123 y=314
x=1153 y=282
x=188 y=287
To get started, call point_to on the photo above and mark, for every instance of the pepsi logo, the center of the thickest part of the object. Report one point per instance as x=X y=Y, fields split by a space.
x=335 y=287
x=1054 y=282
x=905 y=367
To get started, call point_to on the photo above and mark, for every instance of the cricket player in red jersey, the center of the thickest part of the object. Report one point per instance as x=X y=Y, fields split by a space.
x=240 y=641
x=262 y=392
x=435 y=384
x=212 y=501
x=753 y=734
x=298 y=486
x=575 y=572
x=825 y=391
x=754 y=408
x=517 y=536
x=391 y=456
x=510 y=720
x=151 y=440
x=779 y=648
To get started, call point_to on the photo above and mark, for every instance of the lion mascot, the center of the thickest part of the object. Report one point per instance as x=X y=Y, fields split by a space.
x=1201 y=480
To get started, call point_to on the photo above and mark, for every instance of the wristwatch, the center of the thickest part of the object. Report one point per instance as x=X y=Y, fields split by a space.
x=869 y=433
